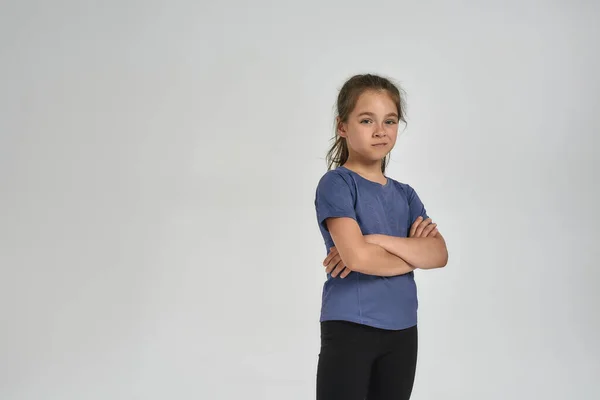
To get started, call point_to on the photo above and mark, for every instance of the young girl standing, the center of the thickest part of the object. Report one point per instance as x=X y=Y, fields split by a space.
x=376 y=233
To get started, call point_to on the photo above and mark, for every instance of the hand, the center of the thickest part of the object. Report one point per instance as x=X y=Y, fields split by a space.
x=423 y=228
x=333 y=264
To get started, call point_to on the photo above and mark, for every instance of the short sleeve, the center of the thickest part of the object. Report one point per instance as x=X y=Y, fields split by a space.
x=415 y=205
x=334 y=198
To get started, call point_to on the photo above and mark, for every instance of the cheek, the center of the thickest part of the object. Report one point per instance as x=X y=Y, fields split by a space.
x=359 y=138
x=355 y=142
x=391 y=134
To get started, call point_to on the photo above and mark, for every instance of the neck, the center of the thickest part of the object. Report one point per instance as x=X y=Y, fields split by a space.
x=370 y=169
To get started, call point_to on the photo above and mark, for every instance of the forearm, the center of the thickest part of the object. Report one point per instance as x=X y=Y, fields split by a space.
x=419 y=252
x=375 y=260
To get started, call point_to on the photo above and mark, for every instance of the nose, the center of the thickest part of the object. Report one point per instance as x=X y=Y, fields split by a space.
x=380 y=131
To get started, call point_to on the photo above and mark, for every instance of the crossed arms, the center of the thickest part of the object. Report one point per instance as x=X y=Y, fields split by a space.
x=383 y=255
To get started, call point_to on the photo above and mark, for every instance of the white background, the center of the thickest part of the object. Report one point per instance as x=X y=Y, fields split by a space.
x=158 y=162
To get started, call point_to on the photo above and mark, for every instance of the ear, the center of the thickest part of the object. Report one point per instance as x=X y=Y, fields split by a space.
x=340 y=127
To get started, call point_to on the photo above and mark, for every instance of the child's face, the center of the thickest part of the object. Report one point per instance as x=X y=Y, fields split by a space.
x=372 y=127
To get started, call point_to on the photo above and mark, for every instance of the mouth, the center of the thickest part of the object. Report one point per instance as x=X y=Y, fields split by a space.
x=379 y=144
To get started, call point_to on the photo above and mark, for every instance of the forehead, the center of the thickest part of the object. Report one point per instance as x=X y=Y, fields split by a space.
x=375 y=101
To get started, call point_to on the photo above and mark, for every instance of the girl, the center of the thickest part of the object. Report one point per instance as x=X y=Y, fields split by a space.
x=377 y=233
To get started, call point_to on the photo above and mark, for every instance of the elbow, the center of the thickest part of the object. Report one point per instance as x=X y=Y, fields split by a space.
x=440 y=261
x=443 y=261
x=444 y=254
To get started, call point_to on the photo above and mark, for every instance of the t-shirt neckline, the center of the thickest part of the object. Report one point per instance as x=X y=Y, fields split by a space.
x=387 y=180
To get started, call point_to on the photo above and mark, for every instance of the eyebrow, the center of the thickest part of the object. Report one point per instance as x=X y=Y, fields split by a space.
x=372 y=115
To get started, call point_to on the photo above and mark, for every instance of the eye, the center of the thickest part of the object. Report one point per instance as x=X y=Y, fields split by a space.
x=365 y=120
x=391 y=122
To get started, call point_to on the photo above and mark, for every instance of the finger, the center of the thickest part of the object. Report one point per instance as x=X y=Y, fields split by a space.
x=414 y=226
x=422 y=226
x=332 y=253
x=332 y=264
x=339 y=268
x=345 y=273
x=428 y=229
x=434 y=233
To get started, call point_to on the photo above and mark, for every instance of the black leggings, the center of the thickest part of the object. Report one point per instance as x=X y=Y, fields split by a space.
x=358 y=362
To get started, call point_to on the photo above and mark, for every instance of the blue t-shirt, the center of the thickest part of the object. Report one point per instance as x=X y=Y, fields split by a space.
x=389 y=209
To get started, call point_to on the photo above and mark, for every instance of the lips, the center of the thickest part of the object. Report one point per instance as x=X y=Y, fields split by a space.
x=379 y=144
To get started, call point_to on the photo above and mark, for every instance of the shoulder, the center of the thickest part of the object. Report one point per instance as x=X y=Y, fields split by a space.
x=335 y=179
x=336 y=186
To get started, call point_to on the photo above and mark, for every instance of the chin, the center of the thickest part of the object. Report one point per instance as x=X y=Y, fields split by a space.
x=379 y=154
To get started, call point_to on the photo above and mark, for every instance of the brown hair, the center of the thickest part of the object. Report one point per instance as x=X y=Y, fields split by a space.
x=346 y=101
